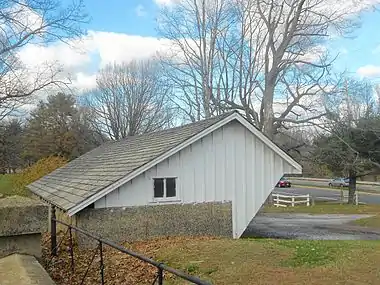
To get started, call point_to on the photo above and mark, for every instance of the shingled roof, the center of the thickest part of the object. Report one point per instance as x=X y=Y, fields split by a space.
x=78 y=180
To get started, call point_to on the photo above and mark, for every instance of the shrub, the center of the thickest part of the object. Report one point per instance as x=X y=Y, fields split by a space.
x=34 y=172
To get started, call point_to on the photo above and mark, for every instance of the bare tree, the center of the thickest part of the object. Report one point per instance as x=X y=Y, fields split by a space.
x=193 y=28
x=265 y=58
x=130 y=99
x=39 y=23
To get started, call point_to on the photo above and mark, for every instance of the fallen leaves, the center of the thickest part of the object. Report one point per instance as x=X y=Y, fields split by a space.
x=119 y=268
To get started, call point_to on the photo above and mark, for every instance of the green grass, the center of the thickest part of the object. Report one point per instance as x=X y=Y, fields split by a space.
x=266 y=261
x=371 y=222
x=5 y=185
x=312 y=254
x=7 y=189
x=327 y=208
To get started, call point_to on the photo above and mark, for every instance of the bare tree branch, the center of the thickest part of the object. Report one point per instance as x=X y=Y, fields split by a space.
x=39 y=23
x=265 y=58
x=130 y=99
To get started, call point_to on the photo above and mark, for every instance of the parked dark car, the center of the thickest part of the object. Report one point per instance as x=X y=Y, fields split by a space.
x=339 y=182
x=283 y=183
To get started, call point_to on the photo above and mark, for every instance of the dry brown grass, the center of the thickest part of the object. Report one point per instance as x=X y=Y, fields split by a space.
x=244 y=261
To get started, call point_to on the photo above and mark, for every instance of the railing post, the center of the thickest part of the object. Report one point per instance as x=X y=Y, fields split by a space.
x=53 y=232
x=356 y=198
x=292 y=201
x=276 y=200
x=101 y=262
x=308 y=200
x=71 y=250
x=160 y=276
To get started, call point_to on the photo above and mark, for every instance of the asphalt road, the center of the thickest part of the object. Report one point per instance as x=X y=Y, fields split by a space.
x=309 y=227
x=320 y=194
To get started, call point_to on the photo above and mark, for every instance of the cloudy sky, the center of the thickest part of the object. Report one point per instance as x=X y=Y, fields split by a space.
x=121 y=30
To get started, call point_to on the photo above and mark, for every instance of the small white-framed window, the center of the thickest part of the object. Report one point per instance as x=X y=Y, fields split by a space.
x=165 y=188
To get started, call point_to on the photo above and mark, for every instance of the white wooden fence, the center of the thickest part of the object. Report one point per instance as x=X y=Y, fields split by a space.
x=281 y=200
x=344 y=196
x=290 y=200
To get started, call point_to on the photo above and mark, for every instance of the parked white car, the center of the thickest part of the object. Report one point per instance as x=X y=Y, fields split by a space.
x=339 y=182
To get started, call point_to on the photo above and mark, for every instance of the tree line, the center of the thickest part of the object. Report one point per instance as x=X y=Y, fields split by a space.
x=266 y=59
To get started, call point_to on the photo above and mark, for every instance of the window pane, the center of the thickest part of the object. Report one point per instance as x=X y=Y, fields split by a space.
x=158 y=188
x=170 y=187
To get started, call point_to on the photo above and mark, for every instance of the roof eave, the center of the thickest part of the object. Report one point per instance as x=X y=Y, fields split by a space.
x=44 y=199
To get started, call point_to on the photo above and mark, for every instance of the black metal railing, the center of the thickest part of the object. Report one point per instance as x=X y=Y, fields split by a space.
x=161 y=267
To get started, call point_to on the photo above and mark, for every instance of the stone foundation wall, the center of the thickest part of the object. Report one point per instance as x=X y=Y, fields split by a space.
x=145 y=222
x=23 y=244
x=22 y=220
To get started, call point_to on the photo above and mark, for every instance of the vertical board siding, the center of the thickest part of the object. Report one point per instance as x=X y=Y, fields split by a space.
x=251 y=174
x=230 y=164
x=220 y=165
x=199 y=169
x=209 y=159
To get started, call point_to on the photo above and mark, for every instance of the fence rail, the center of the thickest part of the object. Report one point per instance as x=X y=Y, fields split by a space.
x=289 y=199
x=281 y=200
x=161 y=267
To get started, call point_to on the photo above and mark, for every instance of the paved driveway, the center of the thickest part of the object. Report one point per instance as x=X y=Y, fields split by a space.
x=305 y=226
x=328 y=194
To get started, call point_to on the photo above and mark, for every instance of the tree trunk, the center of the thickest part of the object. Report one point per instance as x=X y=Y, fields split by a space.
x=207 y=100
x=352 y=187
x=268 y=118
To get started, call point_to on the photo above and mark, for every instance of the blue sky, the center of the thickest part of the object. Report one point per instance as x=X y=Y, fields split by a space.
x=122 y=16
x=361 y=50
x=121 y=30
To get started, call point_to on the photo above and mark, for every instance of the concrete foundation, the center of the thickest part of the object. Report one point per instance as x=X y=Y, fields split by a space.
x=22 y=270
x=25 y=244
x=22 y=220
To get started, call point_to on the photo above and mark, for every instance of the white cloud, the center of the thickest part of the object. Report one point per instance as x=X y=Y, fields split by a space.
x=369 y=71
x=70 y=57
x=84 y=81
x=164 y=2
x=26 y=19
x=81 y=59
x=349 y=7
x=119 y=47
x=140 y=11
x=314 y=53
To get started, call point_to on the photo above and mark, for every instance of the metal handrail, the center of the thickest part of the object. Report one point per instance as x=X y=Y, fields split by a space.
x=159 y=265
